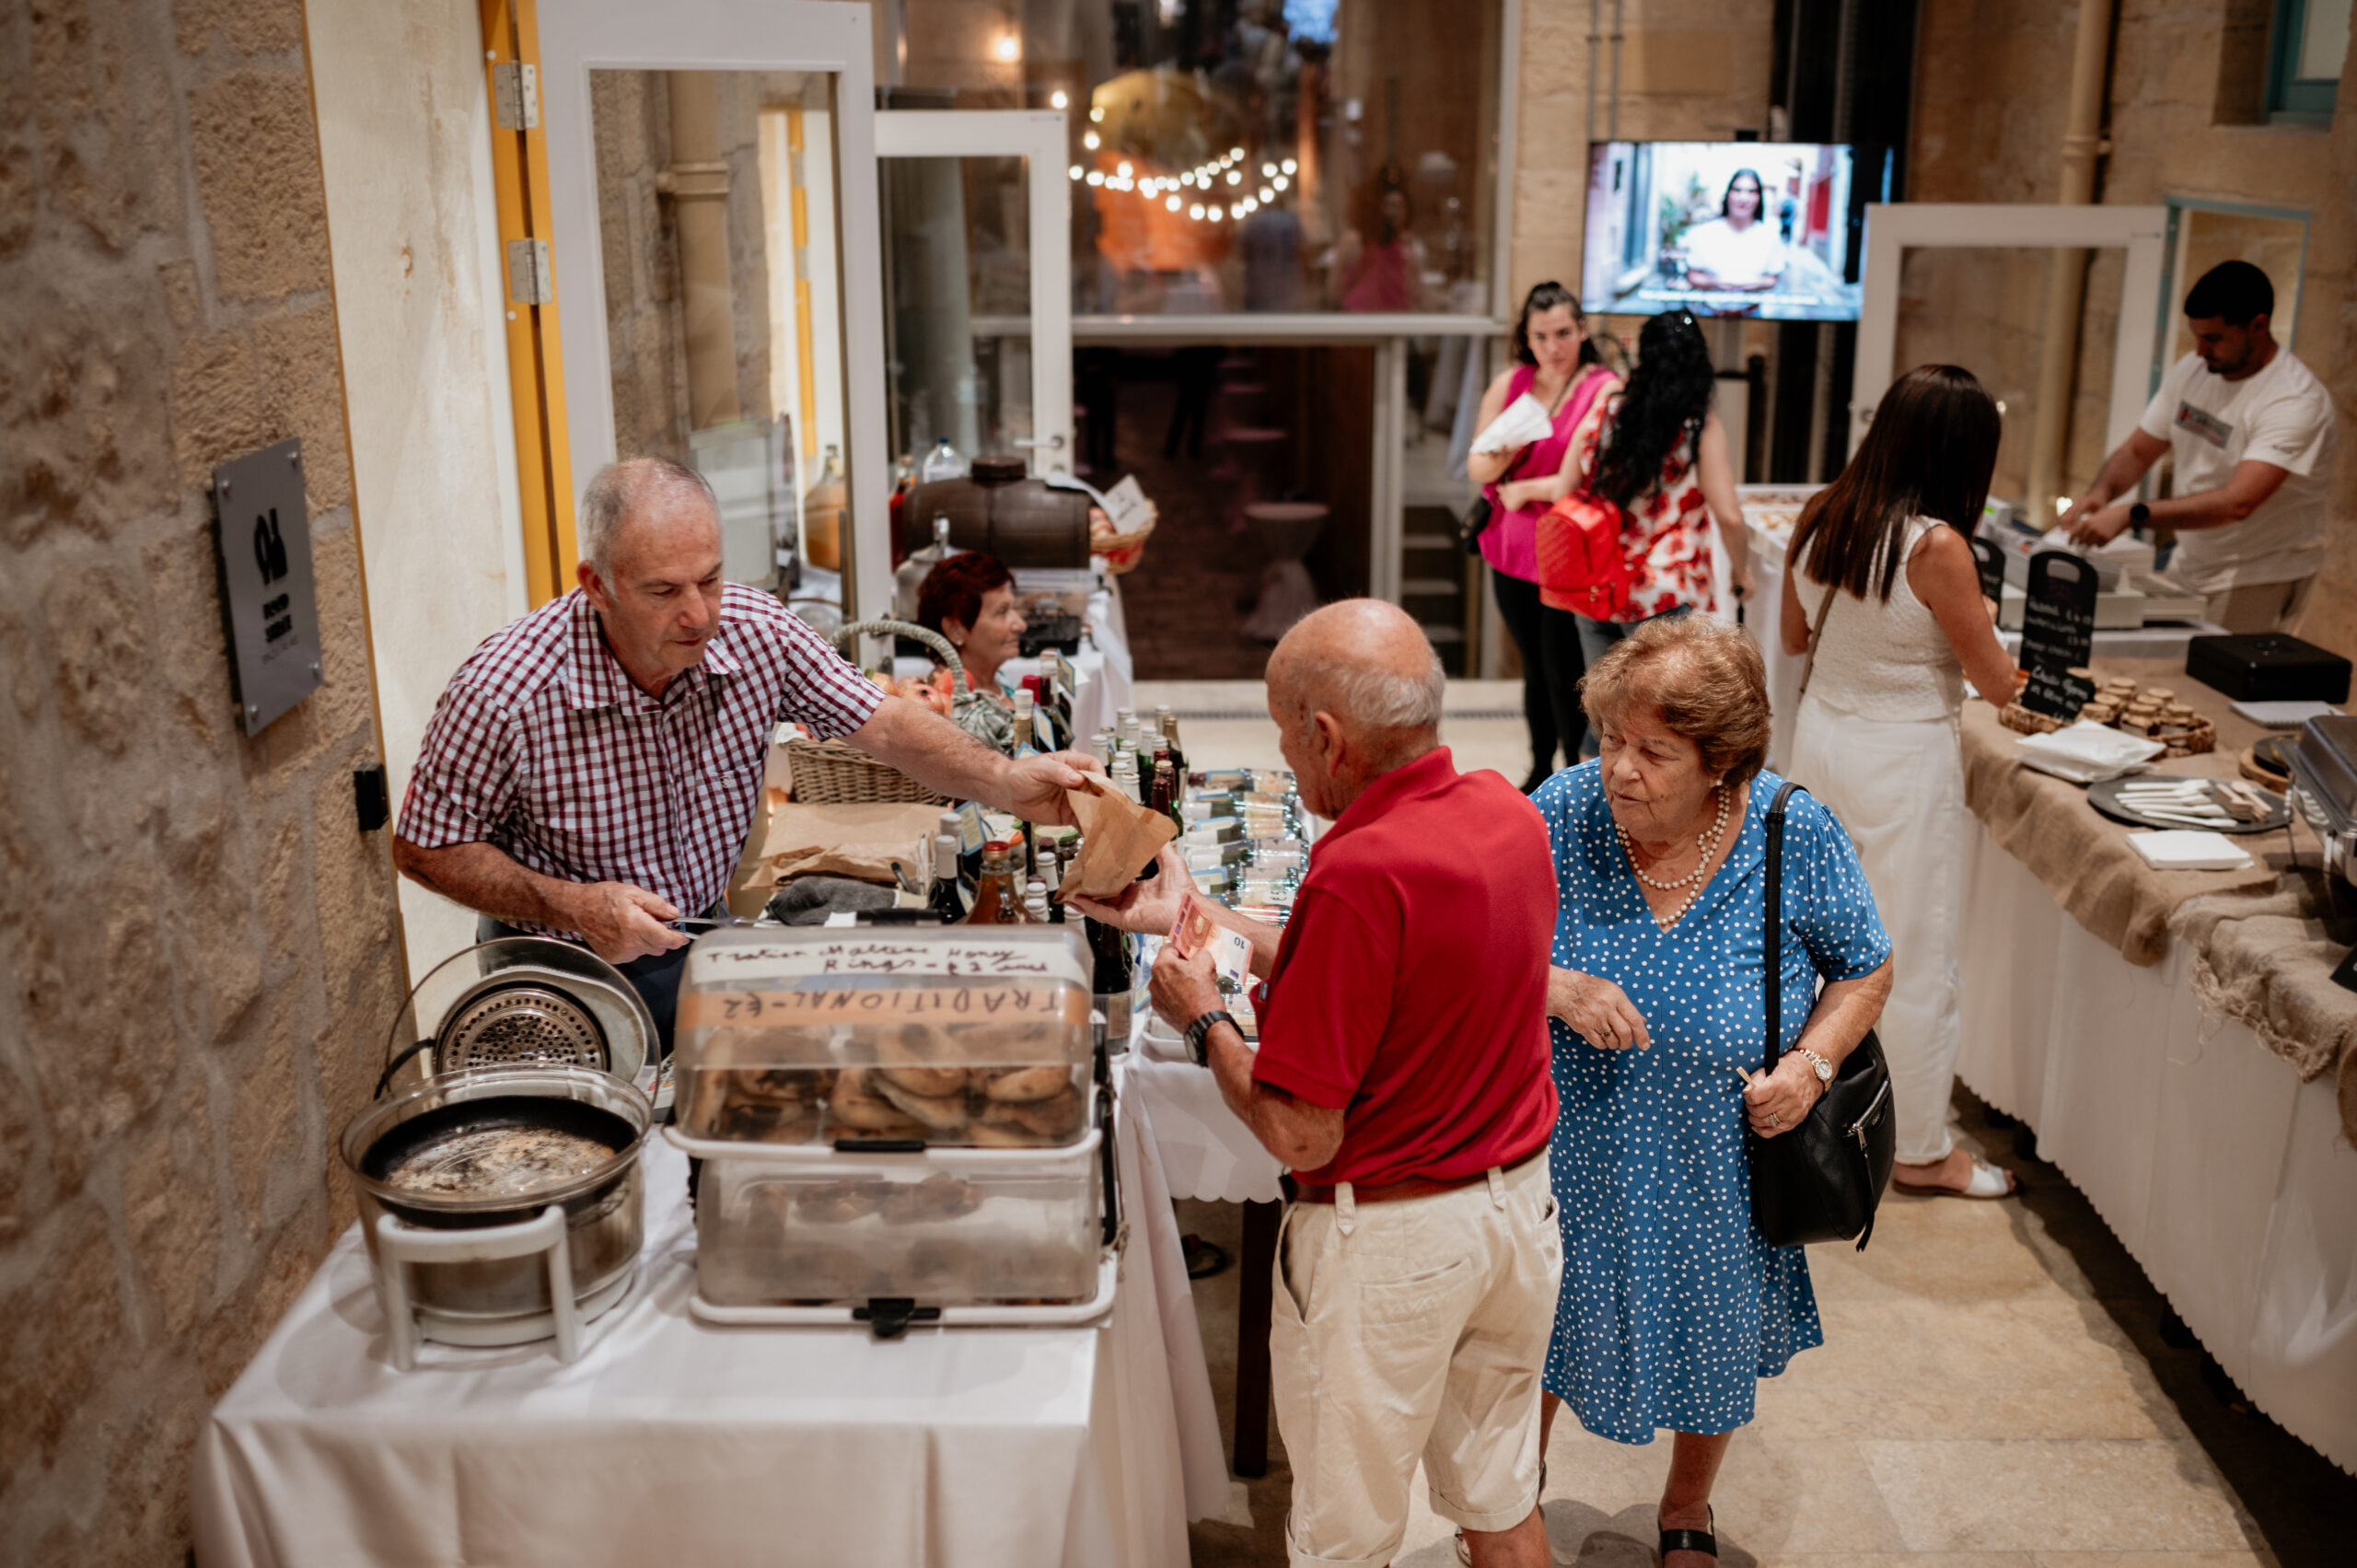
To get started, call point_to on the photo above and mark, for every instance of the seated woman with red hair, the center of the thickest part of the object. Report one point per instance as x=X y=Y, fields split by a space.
x=970 y=599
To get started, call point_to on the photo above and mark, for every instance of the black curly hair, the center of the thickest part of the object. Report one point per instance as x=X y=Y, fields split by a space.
x=1668 y=397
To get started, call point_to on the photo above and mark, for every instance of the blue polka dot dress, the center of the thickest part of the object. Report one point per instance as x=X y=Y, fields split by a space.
x=1673 y=1305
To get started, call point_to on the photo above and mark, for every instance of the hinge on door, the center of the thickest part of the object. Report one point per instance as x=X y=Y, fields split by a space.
x=532 y=277
x=516 y=87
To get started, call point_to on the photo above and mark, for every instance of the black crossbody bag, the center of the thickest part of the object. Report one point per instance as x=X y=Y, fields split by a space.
x=1821 y=1180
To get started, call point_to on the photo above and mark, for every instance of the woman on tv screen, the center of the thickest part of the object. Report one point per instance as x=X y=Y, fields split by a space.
x=1735 y=250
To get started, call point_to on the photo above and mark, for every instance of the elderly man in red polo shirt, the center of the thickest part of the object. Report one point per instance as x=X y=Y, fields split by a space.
x=1402 y=1073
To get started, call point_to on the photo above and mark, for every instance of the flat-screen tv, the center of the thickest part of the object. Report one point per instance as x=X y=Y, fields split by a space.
x=1771 y=229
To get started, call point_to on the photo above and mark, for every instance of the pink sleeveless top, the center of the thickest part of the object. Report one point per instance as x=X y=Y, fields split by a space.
x=1511 y=541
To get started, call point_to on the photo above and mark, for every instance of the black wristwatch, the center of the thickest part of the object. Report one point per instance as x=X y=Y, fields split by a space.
x=2139 y=515
x=1198 y=1034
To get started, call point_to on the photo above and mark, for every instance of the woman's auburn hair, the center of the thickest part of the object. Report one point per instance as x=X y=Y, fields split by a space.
x=1705 y=677
x=952 y=590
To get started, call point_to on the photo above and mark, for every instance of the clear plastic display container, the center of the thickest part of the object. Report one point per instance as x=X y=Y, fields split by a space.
x=943 y=1229
x=960 y=1035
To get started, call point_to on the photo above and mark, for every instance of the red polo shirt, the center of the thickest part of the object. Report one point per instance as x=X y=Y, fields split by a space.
x=1410 y=989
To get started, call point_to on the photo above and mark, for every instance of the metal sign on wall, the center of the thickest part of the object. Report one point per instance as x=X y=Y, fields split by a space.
x=263 y=531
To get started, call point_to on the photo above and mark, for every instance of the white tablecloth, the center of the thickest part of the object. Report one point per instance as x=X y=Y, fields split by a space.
x=2222 y=1174
x=674 y=1441
x=1206 y=1152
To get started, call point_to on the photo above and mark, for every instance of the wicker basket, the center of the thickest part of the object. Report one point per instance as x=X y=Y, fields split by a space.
x=1123 y=552
x=831 y=772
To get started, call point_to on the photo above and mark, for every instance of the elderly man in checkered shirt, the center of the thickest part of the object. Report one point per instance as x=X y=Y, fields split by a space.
x=592 y=769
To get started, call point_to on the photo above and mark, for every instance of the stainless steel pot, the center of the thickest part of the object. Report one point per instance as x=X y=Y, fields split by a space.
x=500 y=1292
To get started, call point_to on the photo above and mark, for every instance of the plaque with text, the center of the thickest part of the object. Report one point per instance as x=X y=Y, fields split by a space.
x=2059 y=612
x=262 y=530
x=1990 y=562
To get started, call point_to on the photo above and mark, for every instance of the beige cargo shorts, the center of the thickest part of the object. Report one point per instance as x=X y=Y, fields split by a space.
x=1412 y=1330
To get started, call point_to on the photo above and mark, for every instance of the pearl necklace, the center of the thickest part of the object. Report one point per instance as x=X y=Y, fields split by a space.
x=1705 y=845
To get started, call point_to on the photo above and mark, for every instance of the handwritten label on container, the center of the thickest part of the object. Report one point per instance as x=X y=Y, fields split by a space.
x=739 y=1009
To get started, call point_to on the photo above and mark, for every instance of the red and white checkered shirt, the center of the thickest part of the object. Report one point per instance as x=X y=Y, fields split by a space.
x=543 y=747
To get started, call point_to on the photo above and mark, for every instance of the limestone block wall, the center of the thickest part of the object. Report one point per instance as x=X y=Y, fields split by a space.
x=1992 y=82
x=1690 y=70
x=645 y=325
x=199 y=953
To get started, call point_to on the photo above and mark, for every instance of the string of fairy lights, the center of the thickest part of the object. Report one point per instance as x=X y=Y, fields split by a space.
x=1219 y=190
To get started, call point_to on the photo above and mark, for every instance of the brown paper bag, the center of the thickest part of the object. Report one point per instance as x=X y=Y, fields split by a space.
x=1118 y=836
x=869 y=842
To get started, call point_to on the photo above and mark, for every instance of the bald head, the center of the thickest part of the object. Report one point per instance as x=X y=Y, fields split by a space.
x=1368 y=666
x=631 y=503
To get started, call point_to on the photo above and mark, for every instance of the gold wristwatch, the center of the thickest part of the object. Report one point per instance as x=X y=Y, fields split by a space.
x=1823 y=1068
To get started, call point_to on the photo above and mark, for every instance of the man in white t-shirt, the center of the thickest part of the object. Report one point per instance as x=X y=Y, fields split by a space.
x=2251 y=430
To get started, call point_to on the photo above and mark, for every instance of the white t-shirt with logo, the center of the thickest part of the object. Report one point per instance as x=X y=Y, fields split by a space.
x=2281 y=415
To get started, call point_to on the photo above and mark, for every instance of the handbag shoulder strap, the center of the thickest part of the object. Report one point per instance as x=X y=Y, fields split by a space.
x=1816 y=633
x=1775 y=938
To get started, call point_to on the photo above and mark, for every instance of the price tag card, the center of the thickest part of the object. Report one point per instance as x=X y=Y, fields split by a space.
x=1125 y=503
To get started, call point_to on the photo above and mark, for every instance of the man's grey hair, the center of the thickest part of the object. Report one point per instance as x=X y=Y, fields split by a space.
x=1397 y=711
x=622 y=491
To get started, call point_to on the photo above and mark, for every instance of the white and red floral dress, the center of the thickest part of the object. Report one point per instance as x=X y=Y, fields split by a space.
x=1666 y=535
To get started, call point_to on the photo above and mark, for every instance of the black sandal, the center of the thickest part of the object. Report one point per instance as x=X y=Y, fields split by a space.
x=1705 y=1541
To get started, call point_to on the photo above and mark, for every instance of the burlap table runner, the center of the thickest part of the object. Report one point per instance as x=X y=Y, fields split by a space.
x=2082 y=856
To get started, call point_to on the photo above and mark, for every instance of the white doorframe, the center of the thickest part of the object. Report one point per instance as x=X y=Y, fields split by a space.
x=1893 y=229
x=580 y=36
x=1037 y=137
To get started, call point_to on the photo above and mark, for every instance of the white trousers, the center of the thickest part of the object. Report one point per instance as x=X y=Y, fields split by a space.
x=1899 y=790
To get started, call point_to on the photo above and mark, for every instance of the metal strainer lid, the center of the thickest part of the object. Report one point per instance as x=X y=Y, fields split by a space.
x=525 y=999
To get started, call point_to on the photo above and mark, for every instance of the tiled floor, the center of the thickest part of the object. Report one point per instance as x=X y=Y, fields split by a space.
x=2000 y=1386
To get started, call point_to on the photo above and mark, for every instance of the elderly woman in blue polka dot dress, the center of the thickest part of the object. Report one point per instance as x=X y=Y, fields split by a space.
x=1673 y=1304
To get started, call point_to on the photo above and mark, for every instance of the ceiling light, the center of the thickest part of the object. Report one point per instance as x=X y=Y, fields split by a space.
x=1267 y=170
x=1213 y=214
x=1075 y=171
x=1236 y=151
x=1288 y=166
x=1057 y=99
x=1234 y=178
x=1196 y=212
x=1267 y=194
x=1123 y=170
x=1171 y=202
x=1097 y=115
x=1280 y=182
x=1088 y=140
x=1095 y=177
x=1008 y=47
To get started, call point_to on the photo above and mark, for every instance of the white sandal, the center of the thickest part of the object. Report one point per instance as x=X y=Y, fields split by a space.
x=1986 y=1181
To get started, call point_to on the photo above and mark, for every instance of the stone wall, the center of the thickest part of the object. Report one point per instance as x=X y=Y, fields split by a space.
x=199 y=945
x=1690 y=70
x=645 y=325
x=2181 y=106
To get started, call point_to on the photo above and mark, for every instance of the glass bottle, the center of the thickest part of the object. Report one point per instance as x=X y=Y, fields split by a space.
x=1125 y=775
x=1026 y=735
x=942 y=463
x=997 y=899
x=946 y=900
x=1161 y=798
x=1051 y=878
x=1178 y=753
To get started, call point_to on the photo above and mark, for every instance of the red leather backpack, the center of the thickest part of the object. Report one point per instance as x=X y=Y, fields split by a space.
x=1582 y=565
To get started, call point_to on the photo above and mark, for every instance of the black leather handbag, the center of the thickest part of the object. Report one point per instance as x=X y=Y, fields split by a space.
x=1469 y=527
x=1821 y=1180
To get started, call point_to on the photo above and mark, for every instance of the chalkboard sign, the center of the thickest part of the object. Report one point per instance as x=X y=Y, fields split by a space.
x=1991 y=561
x=2058 y=693
x=2058 y=616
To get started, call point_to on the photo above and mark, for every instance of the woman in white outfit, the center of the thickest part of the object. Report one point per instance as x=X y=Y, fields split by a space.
x=1881 y=581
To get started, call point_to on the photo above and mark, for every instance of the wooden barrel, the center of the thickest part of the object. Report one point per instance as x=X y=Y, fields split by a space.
x=997 y=509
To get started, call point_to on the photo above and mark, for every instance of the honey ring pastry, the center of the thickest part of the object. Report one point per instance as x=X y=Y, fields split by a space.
x=939 y=1115
x=856 y=1105
x=935 y=1083
x=1017 y=1085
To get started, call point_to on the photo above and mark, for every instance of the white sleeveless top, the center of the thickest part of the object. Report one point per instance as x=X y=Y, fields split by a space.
x=1877 y=660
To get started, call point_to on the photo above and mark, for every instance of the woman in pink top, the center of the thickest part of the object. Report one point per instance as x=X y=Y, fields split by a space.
x=1556 y=364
